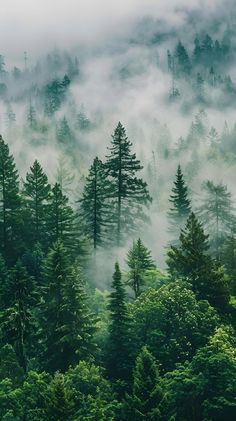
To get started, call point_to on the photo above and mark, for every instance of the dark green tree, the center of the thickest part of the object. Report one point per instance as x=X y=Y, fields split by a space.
x=17 y=320
x=216 y=213
x=67 y=324
x=118 y=356
x=180 y=204
x=31 y=117
x=10 y=206
x=36 y=194
x=95 y=208
x=229 y=261
x=190 y=260
x=139 y=261
x=62 y=221
x=129 y=192
x=64 y=133
x=60 y=404
x=147 y=396
x=182 y=61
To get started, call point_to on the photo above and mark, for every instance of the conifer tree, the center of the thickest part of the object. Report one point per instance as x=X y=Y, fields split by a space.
x=183 y=64
x=147 y=396
x=67 y=325
x=31 y=117
x=191 y=261
x=64 y=133
x=229 y=260
x=17 y=319
x=139 y=261
x=118 y=357
x=60 y=404
x=180 y=203
x=129 y=192
x=62 y=221
x=36 y=193
x=95 y=209
x=216 y=213
x=10 y=206
x=65 y=176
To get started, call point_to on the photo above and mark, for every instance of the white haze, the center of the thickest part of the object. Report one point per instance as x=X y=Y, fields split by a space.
x=98 y=32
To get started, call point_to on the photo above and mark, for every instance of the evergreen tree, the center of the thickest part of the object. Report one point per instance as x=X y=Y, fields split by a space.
x=60 y=404
x=139 y=261
x=216 y=213
x=95 y=209
x=180 y=202
x=62 y=221
x=64 y=133
x=118 y=358
x=36 y=193
x=31 y=117
x=147 y=394
x=67 y=325
x=229 y=260
x=17 y=319
x=10 y=205
x=55 y=92
x=183 y=64
x=129 y=192
x=65 y=177
x=191 y=261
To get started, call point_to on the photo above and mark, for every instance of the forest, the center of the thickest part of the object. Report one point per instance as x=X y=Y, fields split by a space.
x=118 y=224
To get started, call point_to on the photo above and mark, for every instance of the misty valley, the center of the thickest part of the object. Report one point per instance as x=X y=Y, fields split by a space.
x=118 y=218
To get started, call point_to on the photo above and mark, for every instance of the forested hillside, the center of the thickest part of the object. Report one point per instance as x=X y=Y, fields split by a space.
x=118 y=220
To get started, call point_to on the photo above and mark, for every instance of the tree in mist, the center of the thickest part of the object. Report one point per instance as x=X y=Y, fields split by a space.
x=228 y=258
x=31 y=116
x=129 y=192
x=191 y=261
x=36 y=194
x=64 y=133
x=67 y=324
x=54 y=94
x=147 y=395
x=10 y=205
x=216 y=213
x=119 y=338
x=10 y=117
x=95 y=207
x=139 y=261
x=64 y=176
x=182 y=61
x=180 y=204
x=62 y=221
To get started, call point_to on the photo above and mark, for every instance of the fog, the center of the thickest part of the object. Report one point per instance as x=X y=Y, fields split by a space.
x=123 y=76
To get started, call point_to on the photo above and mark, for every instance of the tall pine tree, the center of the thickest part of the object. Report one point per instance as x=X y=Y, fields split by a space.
x=36 y=193
x=130 y=193
x=191 y=261
x=10 y=206
x=67 y=325
x=180 y=204
x=118 y=358
x=95 y=209
x=139 y=261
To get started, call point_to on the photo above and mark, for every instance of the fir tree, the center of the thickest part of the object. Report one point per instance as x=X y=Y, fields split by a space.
x=95 y=208
x=36 y=192
x=60 y=404
x=216 y=213
x=31 y=117
x=180 y=202
x=62 y=221
x=183 y=64
x=67 y=325
x=64 y=133
x=139 y=261
x=118 y=357
x=147 y=394
x=229 y=260
x=10 y=205
x=192 y=262
x=17 y=319
x=64 y=177
x=129 y=192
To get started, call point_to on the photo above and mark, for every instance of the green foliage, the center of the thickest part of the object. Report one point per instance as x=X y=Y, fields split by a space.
x=191 y=261
x=118 y=350
x=147 y=394
x=172 y=323
x=130 y=193
x=67 y=324
x=139 y=261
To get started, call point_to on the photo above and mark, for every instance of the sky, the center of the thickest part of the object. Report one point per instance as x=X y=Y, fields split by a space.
x=38 y=25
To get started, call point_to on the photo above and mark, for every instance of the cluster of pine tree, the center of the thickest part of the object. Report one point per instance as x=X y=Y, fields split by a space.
x=158 y=346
